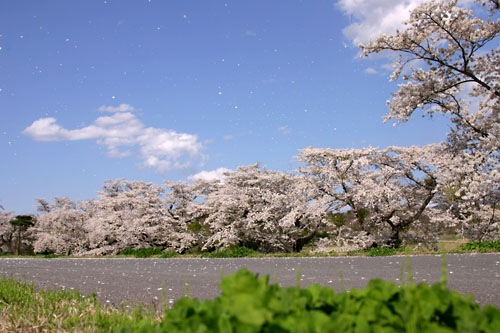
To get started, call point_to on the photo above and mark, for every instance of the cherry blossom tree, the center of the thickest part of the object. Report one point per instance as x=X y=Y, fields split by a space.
x=127 y=214
x=60 y=228
x=470 y=198
x=136 y=214
x=185 y=206
x=449 y=63
x=385 y=191
x=264 y=210
x=454 y=48
x=7 y=232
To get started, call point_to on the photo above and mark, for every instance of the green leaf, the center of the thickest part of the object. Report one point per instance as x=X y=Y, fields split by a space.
x=249 y=310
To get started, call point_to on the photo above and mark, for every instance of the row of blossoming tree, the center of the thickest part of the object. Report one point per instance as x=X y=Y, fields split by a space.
x=340 y=198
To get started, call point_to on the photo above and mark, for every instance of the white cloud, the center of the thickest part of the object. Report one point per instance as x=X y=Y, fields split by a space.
x=372 y=18
x=158 y=148
x=120 y=108
x=46 y=129
x=228 y=137
x=217 y=174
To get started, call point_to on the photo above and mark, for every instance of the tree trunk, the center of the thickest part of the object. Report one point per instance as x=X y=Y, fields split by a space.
x=11 y=243
x=18 y=245
x=300 y=242
x=395 y=241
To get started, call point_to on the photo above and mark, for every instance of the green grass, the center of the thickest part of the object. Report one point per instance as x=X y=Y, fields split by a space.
x=375 y=252
x=51 y=256
x=238 y=252
x=482 y=247
x=143 y=253
x=25 y=309
x=448 y=246
x=171 y=254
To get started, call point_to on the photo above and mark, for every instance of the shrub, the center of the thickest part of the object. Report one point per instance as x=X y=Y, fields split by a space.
x=51 y=256
x=171 y=254
x=143 y=253
x=481 y=246
x=237 y=252
x=381 y=251
x=374 y=252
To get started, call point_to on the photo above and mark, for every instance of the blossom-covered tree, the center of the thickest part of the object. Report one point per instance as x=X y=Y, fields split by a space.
x=7 y=232
x=136 y=214
x=185 y=206
x=450 y=64
x=264 y=210
x=454 y=47
x=60 y=228
x=470 y=200
x=386 y=191
x=127 y=214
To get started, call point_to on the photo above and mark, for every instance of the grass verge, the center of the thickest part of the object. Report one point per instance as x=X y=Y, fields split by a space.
x=446 y=246
x=25 y=309
x=482 y=247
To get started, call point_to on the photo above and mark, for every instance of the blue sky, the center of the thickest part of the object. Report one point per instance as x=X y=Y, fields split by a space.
x=167 y=90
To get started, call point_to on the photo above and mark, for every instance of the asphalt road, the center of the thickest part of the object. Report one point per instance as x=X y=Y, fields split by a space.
x=142 y=280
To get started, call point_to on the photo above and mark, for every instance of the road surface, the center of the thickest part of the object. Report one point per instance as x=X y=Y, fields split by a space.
x=117 y=280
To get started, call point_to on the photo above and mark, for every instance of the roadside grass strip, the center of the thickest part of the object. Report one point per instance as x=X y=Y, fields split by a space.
x=444 y=246
x=483 y=247
x=23 y=308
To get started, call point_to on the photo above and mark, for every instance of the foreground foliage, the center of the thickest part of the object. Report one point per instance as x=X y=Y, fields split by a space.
x=250 y=304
